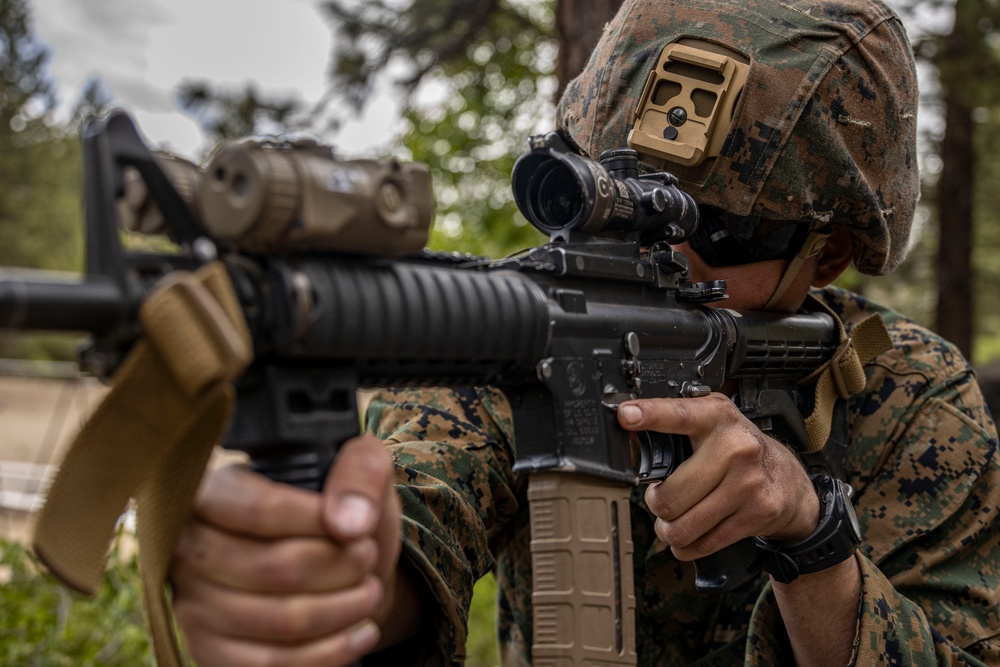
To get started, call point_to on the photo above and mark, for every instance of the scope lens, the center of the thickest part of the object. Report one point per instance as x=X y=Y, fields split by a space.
x=558 y=197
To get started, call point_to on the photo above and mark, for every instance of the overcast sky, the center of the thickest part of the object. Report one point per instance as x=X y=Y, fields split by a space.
x=142 y=50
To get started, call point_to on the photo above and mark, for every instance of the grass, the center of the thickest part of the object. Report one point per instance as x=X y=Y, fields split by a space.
x=45 y=625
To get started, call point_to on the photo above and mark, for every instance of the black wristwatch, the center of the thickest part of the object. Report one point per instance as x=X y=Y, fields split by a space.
x=836 y=536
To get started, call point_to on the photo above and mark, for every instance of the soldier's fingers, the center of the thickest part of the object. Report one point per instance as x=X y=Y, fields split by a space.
x=241 y=501
x=694 y=417
x=290 y=565
x=286 y=619
x=343 y=648
x=704 y=518
x=724 y=534
x=356 y=489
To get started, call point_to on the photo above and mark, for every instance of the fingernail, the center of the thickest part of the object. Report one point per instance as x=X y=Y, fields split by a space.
x=363 y=637
x=631 y=414
x=353 y=515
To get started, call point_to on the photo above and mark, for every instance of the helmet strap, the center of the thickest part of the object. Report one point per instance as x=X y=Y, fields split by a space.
x=812 y=246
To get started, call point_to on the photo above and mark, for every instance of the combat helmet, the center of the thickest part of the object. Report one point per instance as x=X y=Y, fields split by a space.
x=769 y=111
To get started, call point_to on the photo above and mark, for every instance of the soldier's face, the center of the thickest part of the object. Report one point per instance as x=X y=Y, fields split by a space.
x=750 y=286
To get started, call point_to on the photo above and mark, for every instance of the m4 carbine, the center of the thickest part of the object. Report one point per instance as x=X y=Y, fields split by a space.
x=326 y=260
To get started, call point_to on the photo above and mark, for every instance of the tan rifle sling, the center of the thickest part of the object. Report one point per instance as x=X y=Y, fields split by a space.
x=843 y=375
x=150 y=439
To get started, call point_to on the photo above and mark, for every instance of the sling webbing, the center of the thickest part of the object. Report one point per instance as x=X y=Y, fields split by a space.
x=150 y=439
x=843 y=375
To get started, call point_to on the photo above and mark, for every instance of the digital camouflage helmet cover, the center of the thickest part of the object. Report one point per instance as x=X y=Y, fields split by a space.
x=822 y=131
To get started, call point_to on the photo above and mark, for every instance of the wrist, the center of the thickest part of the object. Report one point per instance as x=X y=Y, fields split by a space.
x=834 y=539
x=807 y=517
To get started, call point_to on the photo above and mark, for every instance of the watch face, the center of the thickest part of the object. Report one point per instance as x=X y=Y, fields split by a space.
x=853 y=526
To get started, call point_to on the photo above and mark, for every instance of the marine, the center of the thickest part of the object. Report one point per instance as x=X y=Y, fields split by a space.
x=793 y=126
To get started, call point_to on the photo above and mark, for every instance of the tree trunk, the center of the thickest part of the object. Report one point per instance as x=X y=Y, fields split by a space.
x=579 y=24
x=955 y=303
x=955 y=191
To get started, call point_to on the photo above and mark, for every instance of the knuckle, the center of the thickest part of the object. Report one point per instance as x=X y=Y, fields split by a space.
x=361 y=557
x=657 y=502
x=746 y=449
x=256 y=508
x=284 y=571
x=677 y=534
x=195 y=549
x=660 y=528
x=371 y=463
x=287 y=621
x=716 y=541
x=683 y=412
x=770 y=507
x=356 y=561
x=728 y=414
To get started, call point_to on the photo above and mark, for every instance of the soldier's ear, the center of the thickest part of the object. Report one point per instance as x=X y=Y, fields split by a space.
x=835 y=257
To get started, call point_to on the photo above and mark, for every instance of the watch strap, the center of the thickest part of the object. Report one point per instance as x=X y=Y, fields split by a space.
x=833 y=541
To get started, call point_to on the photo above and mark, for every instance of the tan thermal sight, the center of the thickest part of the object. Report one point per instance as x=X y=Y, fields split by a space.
x=271 y=197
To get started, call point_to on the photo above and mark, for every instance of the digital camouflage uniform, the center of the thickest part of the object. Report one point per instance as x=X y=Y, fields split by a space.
x=823 y=134
x=922 y=460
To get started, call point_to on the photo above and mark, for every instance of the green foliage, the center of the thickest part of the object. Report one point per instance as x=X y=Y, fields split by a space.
x=226 y=115
x=485 y=74
x=488 y=104
x=418 y=36
x=45 y=625
x=39 y=167
x=25 y=88
x=43 y=225
x=481 y=647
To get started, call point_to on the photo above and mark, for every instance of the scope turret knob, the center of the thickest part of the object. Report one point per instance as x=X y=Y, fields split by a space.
x=621 y=162
x=657 y=201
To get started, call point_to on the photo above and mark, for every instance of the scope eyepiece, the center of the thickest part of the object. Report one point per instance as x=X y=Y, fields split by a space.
x=560 y=191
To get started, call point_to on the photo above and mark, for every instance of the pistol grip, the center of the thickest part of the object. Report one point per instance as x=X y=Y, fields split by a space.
x=727 y=568
x=583 y=600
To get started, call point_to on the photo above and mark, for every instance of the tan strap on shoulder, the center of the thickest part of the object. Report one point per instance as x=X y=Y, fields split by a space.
x=843 y=375
x=150 y=439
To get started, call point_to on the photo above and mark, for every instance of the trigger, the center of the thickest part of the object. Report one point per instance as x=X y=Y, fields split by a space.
x=660 y=453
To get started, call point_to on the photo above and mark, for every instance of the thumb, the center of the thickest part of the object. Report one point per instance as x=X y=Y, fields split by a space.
x=356 y=488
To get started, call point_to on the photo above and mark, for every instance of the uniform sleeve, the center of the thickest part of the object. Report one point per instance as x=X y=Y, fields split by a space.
x=930 y=563
x=929 y=514
x=453 y=472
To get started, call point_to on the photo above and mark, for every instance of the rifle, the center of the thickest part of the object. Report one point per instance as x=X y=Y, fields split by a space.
x=326 y=261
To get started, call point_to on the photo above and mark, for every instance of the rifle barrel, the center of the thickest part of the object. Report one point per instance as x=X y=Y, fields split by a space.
x=58 y=302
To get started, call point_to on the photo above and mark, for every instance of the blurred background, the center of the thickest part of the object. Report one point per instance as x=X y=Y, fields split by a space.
x=457 y=84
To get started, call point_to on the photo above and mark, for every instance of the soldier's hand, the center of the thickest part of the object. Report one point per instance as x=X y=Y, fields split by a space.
x=737 y=483
x=268 y=574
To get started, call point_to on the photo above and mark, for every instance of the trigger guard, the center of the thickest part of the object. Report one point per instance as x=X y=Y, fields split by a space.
x=660 y=453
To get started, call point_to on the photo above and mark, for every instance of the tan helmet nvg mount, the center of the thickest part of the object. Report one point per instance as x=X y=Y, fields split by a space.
x=266 y=196
x=687 y=104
